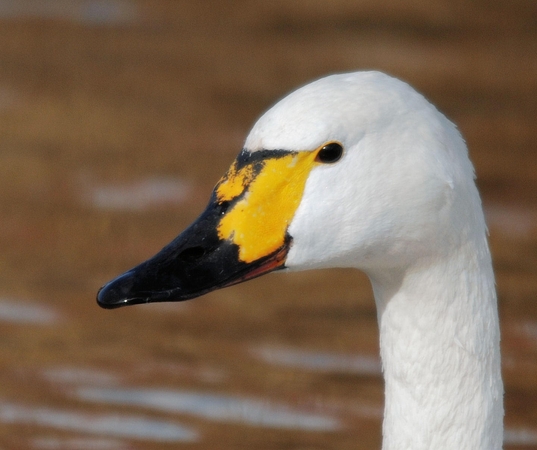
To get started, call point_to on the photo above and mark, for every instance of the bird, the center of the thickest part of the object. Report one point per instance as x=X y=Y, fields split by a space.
x=359 y=170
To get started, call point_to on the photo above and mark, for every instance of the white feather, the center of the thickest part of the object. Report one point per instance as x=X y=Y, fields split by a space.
x=402 y=206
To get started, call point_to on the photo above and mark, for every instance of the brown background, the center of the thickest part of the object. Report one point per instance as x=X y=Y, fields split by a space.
x=96 y=98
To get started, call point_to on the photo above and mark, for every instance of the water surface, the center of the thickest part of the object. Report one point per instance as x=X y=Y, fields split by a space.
x=118 y=117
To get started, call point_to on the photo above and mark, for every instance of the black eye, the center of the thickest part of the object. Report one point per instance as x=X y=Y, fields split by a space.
x=223 y=207
x=330 y=153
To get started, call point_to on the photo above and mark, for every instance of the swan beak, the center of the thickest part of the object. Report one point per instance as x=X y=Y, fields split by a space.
x=198 y=261
x=241 y=235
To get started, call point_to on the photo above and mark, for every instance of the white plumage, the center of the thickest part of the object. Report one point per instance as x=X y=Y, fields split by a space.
x=399 y=203
x=402 y=206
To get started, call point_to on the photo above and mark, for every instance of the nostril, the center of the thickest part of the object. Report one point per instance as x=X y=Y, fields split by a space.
x=191 y=254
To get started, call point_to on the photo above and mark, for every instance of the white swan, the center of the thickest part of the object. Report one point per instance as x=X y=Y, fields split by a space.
x=359 y=170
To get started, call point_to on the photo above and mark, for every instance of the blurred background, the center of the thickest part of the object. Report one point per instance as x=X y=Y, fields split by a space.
x=117 y=117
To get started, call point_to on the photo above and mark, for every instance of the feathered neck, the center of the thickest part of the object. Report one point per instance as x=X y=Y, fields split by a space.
x=440 y=348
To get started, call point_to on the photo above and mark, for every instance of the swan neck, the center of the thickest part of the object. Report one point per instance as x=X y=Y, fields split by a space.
x=439 y=339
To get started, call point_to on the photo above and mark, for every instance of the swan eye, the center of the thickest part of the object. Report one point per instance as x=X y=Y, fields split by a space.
x=330 y=153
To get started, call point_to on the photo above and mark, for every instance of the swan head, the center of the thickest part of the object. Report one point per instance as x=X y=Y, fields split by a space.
x=352 y=170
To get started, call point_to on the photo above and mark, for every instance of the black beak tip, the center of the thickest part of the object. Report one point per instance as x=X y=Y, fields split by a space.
x=117 y=293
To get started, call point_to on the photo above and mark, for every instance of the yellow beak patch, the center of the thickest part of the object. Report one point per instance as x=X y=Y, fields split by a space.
x=264 y=189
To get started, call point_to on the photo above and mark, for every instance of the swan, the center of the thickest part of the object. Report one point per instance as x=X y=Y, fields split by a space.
x=359 y=170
